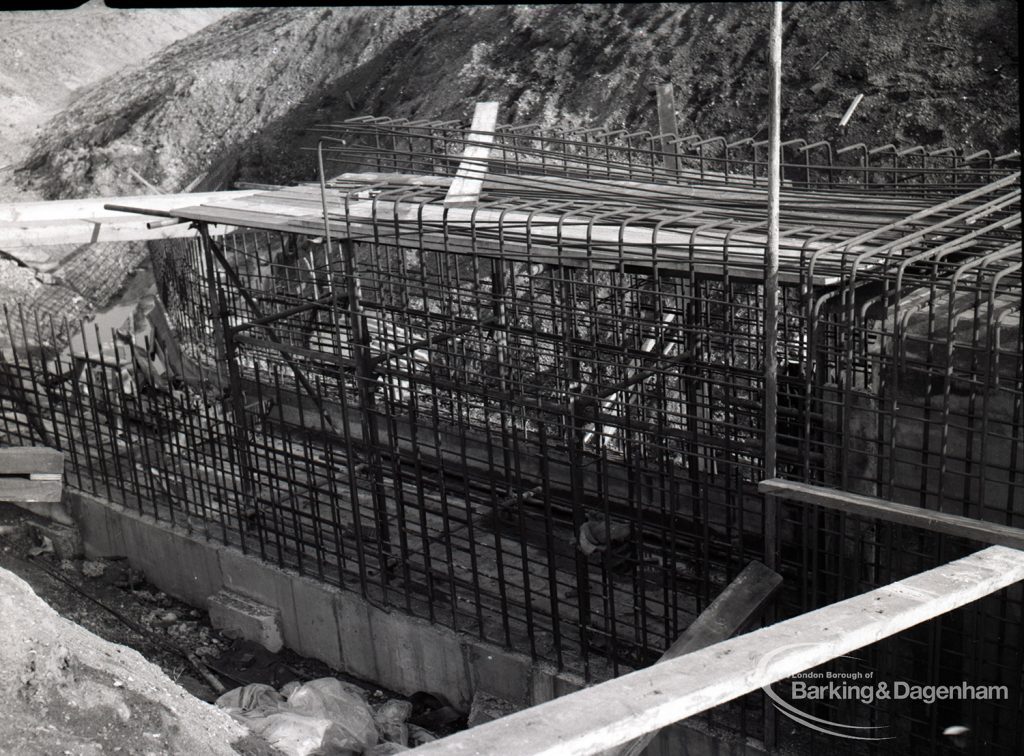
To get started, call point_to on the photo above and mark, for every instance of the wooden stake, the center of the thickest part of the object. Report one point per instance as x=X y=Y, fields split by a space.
x=667 y=125
x=849 y=110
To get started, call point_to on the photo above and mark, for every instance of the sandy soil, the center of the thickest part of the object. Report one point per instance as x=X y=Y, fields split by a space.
x=65 y=690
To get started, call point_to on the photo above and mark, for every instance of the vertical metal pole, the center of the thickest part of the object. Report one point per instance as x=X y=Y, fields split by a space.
x=366 y=382
x=235 y=402
x=667 y=125
x=212 y=294
x=771 y=280
x=771 y=312
x=577 y=457
x=500 y=326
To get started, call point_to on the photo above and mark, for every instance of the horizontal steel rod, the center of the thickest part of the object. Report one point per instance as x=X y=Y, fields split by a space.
x=321 y=303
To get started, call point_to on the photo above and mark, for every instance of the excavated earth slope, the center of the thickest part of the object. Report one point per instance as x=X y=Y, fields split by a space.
x=175 y=120
x=64 y=690
x=46 y=57
x=236 y=100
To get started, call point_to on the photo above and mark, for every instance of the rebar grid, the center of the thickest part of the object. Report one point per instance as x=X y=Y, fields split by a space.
x=435 y=147
x=539 y=419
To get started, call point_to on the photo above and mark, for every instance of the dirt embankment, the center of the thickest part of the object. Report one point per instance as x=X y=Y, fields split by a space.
x=236 y=100
x=47 y=60
x=64 y=690
x=46 y=57
x=179 y=118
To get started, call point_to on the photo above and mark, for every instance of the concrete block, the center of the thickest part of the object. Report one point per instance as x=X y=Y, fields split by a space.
x=275 y=607
x=178 y=564
x=49 y=510
x=248 y=575
x=355 y=636
x=67 y=541
x=413 y=655
x=99 y=523
x=245 y=573
x=240 y=616
x=542 y=683
x=316 y=621
x=547 y=683
x=566 y=683
x=487 y=708
x=500 y=673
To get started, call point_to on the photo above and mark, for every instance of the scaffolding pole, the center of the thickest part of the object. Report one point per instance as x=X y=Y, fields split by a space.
x=771 y=282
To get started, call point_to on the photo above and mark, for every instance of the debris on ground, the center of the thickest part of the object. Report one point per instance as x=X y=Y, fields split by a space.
x=93 y=569
x=112 y=599
x=324 y=716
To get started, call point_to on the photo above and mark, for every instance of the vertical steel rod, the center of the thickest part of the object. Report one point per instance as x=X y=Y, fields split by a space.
x=771 y=277
x=771 y=310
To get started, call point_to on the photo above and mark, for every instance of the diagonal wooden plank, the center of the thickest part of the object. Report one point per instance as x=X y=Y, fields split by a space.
x=724 y=617
x=593 y=719
x=94 y=208
x=469 y=179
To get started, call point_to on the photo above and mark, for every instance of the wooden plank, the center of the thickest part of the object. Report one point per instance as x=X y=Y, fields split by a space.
x=228 y=217
x=635 y=366
x=667 y=125
x=24 y=491
x=890 y=511
x=596 y=718
x=545 y=227
x=89 y=231
x=94 y=208
x=728 y=614
x=746 y=255
x=469 y=179
x=24 y=460
x=549 y=228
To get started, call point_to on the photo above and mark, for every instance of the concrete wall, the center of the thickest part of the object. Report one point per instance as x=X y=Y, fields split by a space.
x=342 y=629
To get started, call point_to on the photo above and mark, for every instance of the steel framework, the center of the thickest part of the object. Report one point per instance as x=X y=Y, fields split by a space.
x=539 y=418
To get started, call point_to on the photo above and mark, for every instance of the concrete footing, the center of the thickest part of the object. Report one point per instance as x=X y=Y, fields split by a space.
x=264 y=603
x=487 y=708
